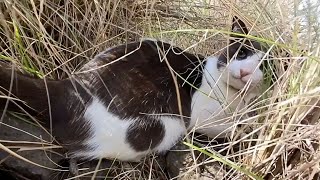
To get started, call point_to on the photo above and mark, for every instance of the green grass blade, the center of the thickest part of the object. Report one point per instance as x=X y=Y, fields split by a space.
x=225 y=161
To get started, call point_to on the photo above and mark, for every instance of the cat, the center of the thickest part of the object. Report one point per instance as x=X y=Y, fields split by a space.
x=141 y=97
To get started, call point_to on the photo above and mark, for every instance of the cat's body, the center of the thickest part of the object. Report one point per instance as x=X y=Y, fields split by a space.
x=124 y=103
x=134 y=107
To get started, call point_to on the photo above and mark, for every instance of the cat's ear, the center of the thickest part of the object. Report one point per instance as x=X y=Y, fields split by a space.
x=238 y=26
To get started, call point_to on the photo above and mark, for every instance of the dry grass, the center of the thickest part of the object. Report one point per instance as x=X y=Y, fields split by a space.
x=54 y=38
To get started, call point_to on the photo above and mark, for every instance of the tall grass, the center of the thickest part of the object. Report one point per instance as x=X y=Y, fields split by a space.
x=54 y=38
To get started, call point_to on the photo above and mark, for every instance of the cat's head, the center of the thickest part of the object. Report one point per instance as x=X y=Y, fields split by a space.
x=240 y=60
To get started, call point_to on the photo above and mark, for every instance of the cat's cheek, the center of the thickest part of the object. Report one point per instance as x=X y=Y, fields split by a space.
x=228 y=77
x=247 y=79
x=233 y=82
x=257 y=77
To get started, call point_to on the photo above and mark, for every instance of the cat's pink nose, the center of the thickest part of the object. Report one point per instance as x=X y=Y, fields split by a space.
x=244 y=73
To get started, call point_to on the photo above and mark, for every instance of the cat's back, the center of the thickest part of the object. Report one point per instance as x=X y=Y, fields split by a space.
x=139 y=76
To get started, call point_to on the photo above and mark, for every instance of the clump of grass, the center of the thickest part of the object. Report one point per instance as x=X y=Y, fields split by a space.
x=54 y=38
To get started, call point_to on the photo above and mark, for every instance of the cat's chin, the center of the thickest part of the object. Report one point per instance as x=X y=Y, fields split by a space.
x=239 y=84
x=236 y=84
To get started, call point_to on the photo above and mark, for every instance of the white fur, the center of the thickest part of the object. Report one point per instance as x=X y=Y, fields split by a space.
x=231 y=73
x=109 y=134
x=215 y=102
x=108 y=138
x=174 y=129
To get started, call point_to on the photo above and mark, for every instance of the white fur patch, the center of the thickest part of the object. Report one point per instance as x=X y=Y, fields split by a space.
x=174 y=129
x=215 y=102
x=108 y=138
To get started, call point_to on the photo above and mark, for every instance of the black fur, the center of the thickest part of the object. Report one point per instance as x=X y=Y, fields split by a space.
x=238 y=47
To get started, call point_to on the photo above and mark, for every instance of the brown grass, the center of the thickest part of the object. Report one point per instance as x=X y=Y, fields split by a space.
x=54 y=38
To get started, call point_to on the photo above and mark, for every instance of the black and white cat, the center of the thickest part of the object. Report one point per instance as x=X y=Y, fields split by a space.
x=142 y=97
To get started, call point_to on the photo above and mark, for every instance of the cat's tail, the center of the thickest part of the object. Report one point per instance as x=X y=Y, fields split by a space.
x=19 y=92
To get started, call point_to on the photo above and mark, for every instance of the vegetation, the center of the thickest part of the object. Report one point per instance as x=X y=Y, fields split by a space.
x=54 y=38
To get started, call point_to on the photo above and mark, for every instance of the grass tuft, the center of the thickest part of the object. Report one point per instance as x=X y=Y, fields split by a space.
x=55 y=38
